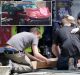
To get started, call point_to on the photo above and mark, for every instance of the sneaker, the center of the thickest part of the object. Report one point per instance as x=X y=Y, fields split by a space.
x=71 y=64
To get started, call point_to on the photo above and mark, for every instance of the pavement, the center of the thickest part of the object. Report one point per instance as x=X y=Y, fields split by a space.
x=53 y=72
x=5 y=70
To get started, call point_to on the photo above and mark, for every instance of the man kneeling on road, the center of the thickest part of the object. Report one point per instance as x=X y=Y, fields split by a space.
x=16 y=45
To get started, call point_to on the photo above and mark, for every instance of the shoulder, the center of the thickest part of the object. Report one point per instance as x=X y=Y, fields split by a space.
x=24 y=33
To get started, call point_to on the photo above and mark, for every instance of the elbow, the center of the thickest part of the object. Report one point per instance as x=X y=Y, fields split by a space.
x=36 y=54
x=55 y=50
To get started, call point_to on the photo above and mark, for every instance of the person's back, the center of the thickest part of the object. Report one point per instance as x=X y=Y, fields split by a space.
x=23 y=40
x=66 y=40
x=65 y=33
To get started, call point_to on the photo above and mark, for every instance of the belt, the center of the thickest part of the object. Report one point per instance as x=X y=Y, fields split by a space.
x=13 y=52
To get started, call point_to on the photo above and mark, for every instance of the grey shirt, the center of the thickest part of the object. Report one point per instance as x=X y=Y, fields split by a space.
x=23 y=40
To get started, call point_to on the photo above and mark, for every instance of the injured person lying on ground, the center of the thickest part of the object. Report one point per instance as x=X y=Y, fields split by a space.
x=66 y=46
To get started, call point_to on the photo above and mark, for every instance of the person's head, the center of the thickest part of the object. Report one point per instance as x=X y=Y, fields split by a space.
x=36 y=32
x=68 y=20
x=64 y=20
x=78 y=19
x=71 y=19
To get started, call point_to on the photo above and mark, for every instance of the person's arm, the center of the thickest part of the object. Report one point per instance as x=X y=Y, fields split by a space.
x=55 y=46
x=32 y=57
x=56 y=50
x=38 y=55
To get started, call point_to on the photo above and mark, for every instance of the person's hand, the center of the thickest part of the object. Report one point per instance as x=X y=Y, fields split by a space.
x=74 y=30
x=40 y=60
x=48 y=61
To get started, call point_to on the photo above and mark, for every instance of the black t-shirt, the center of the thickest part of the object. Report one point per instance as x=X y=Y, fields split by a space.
x=69 y=43
x=63 y=34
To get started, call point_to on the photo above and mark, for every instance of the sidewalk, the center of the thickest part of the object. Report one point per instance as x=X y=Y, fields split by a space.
x=53 y=72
